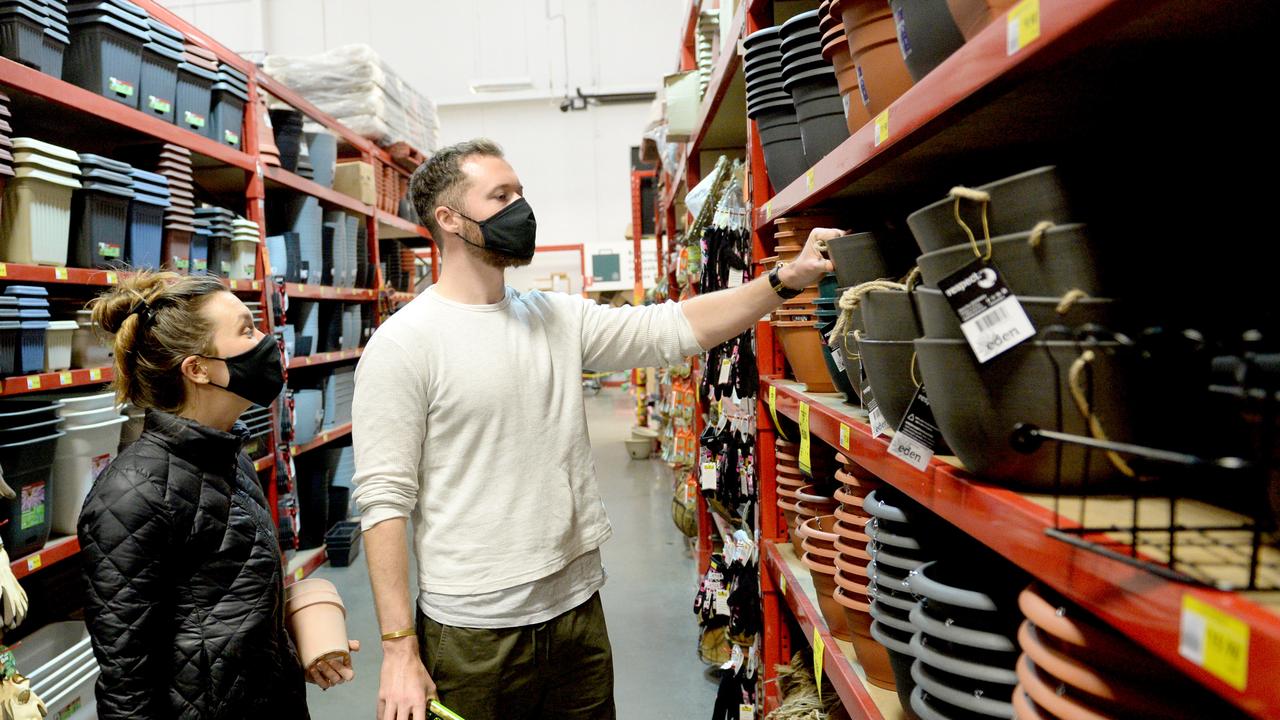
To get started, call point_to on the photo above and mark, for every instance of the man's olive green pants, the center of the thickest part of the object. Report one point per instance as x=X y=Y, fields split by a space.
x=561 y=669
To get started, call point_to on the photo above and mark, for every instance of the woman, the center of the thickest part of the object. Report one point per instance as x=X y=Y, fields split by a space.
x=186 y=597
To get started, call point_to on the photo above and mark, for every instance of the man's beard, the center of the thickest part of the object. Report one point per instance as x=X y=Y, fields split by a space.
x=491 y=258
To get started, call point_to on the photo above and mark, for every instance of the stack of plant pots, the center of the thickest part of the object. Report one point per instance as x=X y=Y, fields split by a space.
x=266 y=135
x=873 y=47
x=6 y=142
x=146 y=219
x=216 y=251
x=708 y=22
x=57 y=36
x=828 y=314
x=796 y=322
x=287 y=124
x=835 y=50
x=858 y=258
x=976 y=405
x=245 y=241
x=790 y=480
x=811 y=82
x=1074 y=666
x=230 y=96
x=196 y=75
x=105 y=53
x=886 y=347
x=179 y=217
x=853 y=577
x=36 y=222
x=161 y=56
x=770 y=105
x=100 y=213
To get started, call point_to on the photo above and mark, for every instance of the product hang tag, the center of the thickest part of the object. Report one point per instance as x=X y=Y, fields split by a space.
x=746 y=712
x=709 y=476
x=874 y=415
x=726 y=368
x=991 y=318
x=722 y=602
x=837 y=357
x=917 y=435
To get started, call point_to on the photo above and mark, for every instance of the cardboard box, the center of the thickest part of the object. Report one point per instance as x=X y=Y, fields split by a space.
x=356 y=178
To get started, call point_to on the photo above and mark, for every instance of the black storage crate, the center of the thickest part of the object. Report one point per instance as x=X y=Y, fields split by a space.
x=100 y=225
x=228 y=114
x=55 y=48
x=342 y=543
x=159 y=92
x=105 y=57
x=27 y=518
x=195 y=90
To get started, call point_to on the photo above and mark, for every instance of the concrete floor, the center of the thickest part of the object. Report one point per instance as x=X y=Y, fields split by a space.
x=648 y=599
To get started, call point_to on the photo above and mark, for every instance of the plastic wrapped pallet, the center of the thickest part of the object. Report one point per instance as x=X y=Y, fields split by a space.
x=352 y=84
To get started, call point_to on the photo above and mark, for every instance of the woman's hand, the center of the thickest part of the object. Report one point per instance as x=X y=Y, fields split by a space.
x=328 y=673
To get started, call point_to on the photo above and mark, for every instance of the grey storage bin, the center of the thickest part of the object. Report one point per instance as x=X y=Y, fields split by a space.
x=159 y=91
x=105 y=57
x=22 y=35
x=228 y=113
x=195 y=98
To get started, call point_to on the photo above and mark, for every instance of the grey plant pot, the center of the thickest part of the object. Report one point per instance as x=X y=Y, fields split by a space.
x=1064 y=260
x=858 y=258
x=888 y=368
x=939 y=321
x=890 y=315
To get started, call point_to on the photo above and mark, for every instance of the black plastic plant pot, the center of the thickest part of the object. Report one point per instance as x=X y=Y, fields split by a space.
x=228 y=114
x=105 y=57
x=927 y=34
x=100 y=222
x=784 y=159
x=195 y=99
x=159 y=91
x=55 y=48
x=822 y=134
x=22 y=37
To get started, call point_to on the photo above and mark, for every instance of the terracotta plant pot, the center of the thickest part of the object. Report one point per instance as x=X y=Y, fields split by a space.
x=857 y=613
x=806 y=510
x=971 y=16
x=848 y=499
x=802 y=346
x=787 y=494
x=824 y=555
x=873 y=45
x=1040 y=689
x=874 y=659
x=824 y=581
x=851 y=544
x=812 y=493
x=1072 y=631
x=791 y=485
x=789 y=459
x=317 y=620
x=850 y=519
x=1024 y=708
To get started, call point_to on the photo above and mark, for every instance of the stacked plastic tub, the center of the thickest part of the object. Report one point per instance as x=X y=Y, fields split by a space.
x=58 y=659
x=200 y=242
x=146 y=219
x=309 y=226
x=100 y=216
x=105 y=54
x=217 y=256
x=197 y=73
x=287 y=124
x=10 y=333
x=35 y=33
x=179 y=218
x=305 y=318
x=88 y=349
x=245 y=240
x=811 y=82
x=28 y=439
x=92 y=424
x=161 y=56
x=6 y=142
x=36 y=221
x=33 y=313
x=323 y=147
x=769 y=104
x=57 y=36
x=230 y=96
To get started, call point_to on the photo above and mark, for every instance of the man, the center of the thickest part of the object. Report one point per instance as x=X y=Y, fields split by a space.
x=469 y=417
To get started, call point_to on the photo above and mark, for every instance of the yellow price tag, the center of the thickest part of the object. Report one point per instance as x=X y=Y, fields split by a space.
x=1215 y=641
x=845 y=436
x=35 y=563
x=768 y=210
x=64 y=377
x=882 y=128
x=773 y=411
x=819 y=657
x=112 y=278
x=298 y=574
x=257 y=285
x=806 y=466
x=307 y=360
x=808 y=180
x=60 y=273
x=95 y=374
x=782 y=585
x=1024 y=25
x=33 y=382
x=4 y=271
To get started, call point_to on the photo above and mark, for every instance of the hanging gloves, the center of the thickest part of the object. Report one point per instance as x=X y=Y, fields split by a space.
x=12 y=596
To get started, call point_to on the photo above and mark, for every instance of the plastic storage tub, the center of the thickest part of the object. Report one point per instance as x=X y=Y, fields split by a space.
x=195 y=85
x=101 y=223
x=58 y=659
x=22 y=36
x=89 y=349
x=36 y=221
x=27 y=466
x=200 y=245
x=245 y=249
x=228 y=113
x=83 y=452
x=57 y=345
x=31 y=340
x=105 y=57
x=55 y=49
x=159 y=89
x=146 y=231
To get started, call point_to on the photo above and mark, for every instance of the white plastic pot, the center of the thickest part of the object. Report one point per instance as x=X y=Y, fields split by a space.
x=245 y=251
x=57 y=345
x=90 y=417
x=82 y=454
x=81 y=403
x=88 y=348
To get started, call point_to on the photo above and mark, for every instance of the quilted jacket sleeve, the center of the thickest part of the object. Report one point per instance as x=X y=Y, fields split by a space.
x=126 y=539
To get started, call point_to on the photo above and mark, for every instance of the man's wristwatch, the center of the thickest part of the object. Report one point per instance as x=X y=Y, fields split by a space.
x=775 y=282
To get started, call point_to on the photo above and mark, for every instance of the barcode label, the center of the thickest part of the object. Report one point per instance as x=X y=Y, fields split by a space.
x=991 y=318
x=998 y=328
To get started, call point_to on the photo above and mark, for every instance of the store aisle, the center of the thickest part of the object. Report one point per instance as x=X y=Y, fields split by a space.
x=647 y=600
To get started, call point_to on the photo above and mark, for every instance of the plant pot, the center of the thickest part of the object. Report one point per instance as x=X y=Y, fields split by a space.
x=887 y=364
x=850 y=519
x=971 y=16
x=848 y=499
x=954 y=585
x=850 y=539
x=1072 y=631
x=1024 y=708
x=857 y=259
x=857 y=608
x=806 y=510
x=874 y=659
x=824 y=581
x=939 y=321
x=889 y=315
x=826 y=555
x=977 y=406
x=1044 y=692
x=803 y=349
x=896 y=559
x=873 y=46
x=855 y=485
x=884 y=537
x=998 y=676
x=639 y=448
x=317 y=621
x=938 y=685
x=838 y=376
x=855 y=589
x=927 y=34
x=1017 y=203
x=948 y=629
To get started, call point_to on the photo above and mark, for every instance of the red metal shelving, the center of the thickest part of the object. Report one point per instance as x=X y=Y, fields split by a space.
x=718 y=86
x=284 y=178
x=328 y=358
x=397 y=228
x=1145 y=607
x=305 y=563
x=323 y=438
x=44 y=382
x=326 y=292
x=56 y=550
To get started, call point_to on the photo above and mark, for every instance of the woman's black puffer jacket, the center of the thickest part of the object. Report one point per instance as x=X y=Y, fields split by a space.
x=185 y=599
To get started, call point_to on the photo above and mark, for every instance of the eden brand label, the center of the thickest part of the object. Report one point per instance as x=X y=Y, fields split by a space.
x=991 y=318
x=193 y=119
x=862 y=86
x=917 y=435
x=120 y=87
x=160 y=105
x=33 y=506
